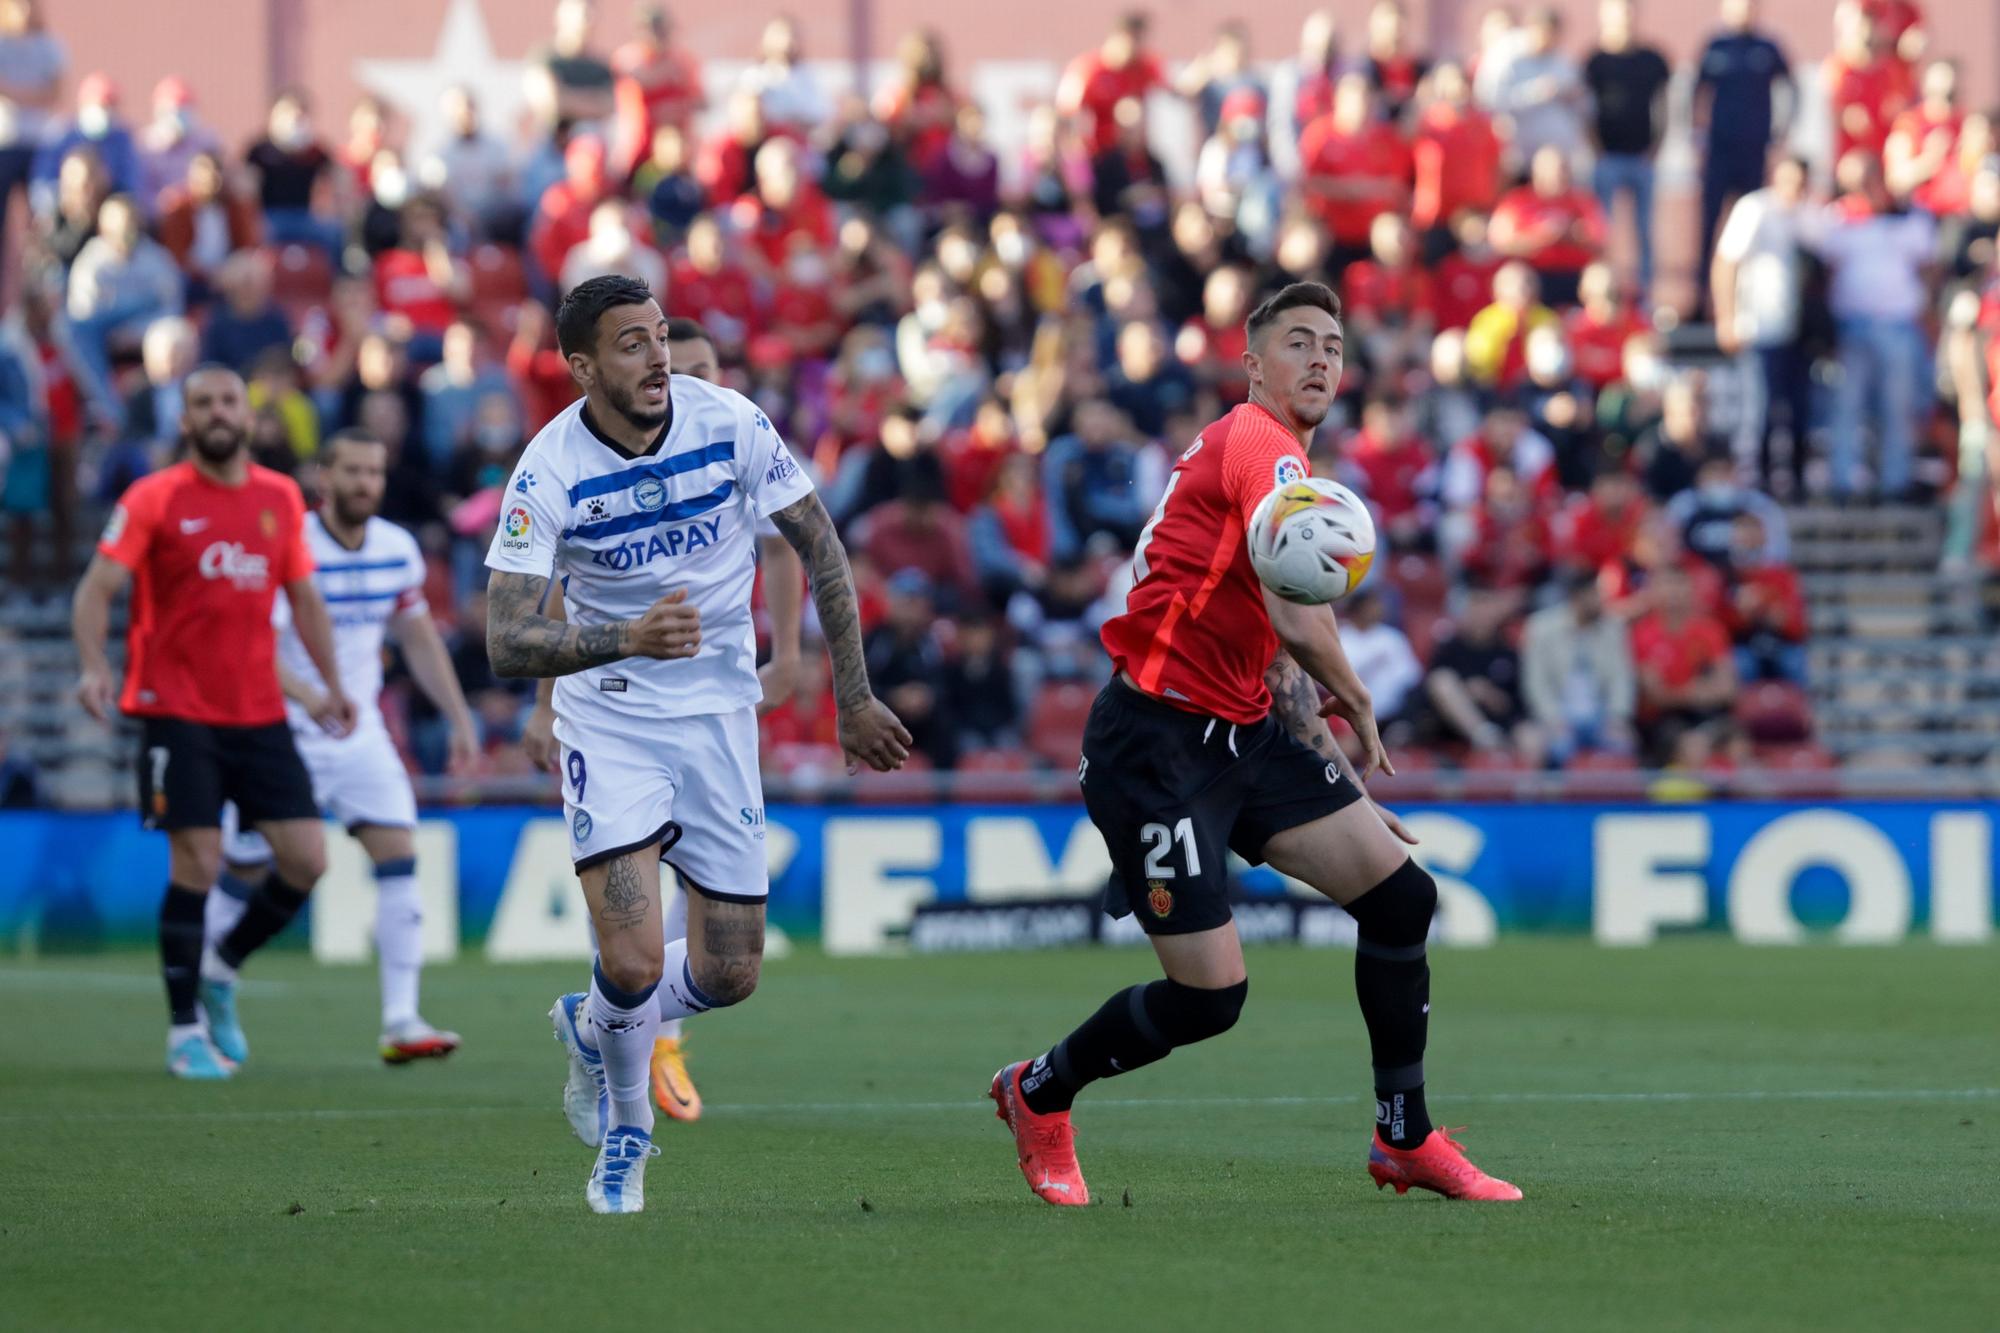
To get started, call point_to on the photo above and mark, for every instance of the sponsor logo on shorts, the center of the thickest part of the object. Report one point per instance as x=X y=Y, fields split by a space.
x=1333 y=772
x=650 y=494
x=581 y=826
x=612 y=685
x=751 y=816
x=1290 y=468
x=1159 y=898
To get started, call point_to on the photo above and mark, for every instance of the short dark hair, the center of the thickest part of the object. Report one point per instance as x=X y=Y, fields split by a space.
x=577 y=316
x=1317 y=295
x=352 y=435
x=683 y=330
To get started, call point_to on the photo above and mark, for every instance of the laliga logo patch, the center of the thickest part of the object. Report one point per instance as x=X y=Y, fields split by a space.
x=1157 y=898
x=582 y=826
x=650 y=494
x=1290 y=468
x=517 y=522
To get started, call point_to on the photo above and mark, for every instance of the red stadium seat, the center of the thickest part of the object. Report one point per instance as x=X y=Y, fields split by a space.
x=995 y=761
x=1602 y=775
x=1800 y=770
x=1055 y=725
x=912 y=784
x=1774 y=711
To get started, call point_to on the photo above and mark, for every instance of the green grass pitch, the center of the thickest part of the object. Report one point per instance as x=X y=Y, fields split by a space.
x=1709 y=1136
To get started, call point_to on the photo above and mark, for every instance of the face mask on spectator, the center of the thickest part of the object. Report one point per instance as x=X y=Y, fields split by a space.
x=93 y=120
x=874 y=363
x=392 y=187
x=496 y=437
x=806 y=270
x=1012 y=247
x=295 y=135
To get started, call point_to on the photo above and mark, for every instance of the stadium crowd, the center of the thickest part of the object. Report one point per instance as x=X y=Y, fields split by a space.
x=992 y=365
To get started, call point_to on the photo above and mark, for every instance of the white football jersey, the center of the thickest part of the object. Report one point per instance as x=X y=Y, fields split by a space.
x=618 y=533
x=364 y=590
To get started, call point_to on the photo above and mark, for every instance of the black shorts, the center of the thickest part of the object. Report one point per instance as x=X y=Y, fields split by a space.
x=1175 y=792
x=188 y=769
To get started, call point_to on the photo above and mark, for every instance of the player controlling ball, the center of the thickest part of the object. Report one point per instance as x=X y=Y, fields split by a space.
x=1211 y=738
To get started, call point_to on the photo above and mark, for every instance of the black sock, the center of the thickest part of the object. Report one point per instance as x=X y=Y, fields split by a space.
x=1392 y=979
x=273 y=905
x=180 y=950
x=1134 y=1028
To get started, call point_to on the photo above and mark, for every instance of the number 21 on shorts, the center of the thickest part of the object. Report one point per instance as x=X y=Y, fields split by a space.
x=1160 y=839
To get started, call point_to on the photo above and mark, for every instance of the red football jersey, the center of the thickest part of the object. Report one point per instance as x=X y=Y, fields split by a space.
x=207 y=560
x=1195 y=632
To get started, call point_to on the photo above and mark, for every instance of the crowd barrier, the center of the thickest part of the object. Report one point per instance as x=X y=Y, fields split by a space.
x=864 y=879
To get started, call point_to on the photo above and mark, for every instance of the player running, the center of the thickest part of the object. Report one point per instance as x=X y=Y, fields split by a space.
x=1211 y=739
x=205 y=546
x=642 y=498
x=691 y=352
x=370 y=573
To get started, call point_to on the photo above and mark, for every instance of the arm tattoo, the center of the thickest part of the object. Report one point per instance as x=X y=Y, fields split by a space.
x=1295 y=702
x=806 y=525
x=521 y=641
x=624 y=899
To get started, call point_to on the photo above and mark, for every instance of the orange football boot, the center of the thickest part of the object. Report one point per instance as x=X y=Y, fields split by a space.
x=673 y=1090
x=1045 y=1144
x=1438 y=1164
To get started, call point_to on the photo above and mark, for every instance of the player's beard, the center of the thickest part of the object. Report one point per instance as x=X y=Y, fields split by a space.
x=353 y=511
x=219 y=443
x=625 y=402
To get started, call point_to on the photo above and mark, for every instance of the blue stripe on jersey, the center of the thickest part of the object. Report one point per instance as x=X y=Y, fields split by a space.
x=355 y=566
x=332 y=597
x=679 y=509
x=721 y=451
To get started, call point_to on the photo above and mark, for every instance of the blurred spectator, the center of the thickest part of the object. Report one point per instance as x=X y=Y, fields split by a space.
x=788 y=96
x=1551 y=224
x=1922 y=144
x=32 y=63
x=1598 y=529
x=453 y=390
x=562 y=217
x=568 y=81
x=1146 y=384
x=1541 y=92
x=1127 y=179
x=866 y=167
x=979 y=695
x=420 y=280
x=1055 y=175
x=274 y=387
x=657 y=86
x=784 y=206
x=81 y=189
x=1877 y=255
x=1313 y=71
x=1462 y=282
x=1767 y=610
x=1120 y=69
x=1496 y=342
x=707 y=284
x=536 y=368
x=879 y=469
x=121 y=281
x=1009 y=532
x=18 y=787
x=613 y=247
x=473 y=170
x=1685 y=664
x=1598 y=329
x=1212 y=343
x=973 y=456
x=246 y=320
x=1510 y=544
x=1743 y=82
x=169 y=352
x=1455 y=156
x=1956 y=190
x=1558 y=408
x=1672 y=450
x=1577 y=673
x=1504 y=440
x=1628 y=89
x=906 y=666
x=1394 y=71
x=723 y=163
x=1234 y=175
x=171 y=141
x=919 y=105
x=1092 y=478
x=1757 y=286
x=1450 y=409
x=1386 y=300
x=98 y=127
x=1705 y=514
x=65 y=404
x=1352 y=168
x=486 y=456
x=292 y=168
x=367 y=143
x=203 y=220
x=1379 y=653
x=1867 y=87
x=1218 y=74
x=965 y=174
x=666 y=182
x=1399 y=472
x=1472 y=692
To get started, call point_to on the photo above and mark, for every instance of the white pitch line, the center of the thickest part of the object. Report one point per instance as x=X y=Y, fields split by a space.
x=27 y=978
x=1166 y=1103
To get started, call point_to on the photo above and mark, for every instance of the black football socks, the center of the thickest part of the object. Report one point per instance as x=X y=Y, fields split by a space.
x=1134 y=1028
x=180 y=950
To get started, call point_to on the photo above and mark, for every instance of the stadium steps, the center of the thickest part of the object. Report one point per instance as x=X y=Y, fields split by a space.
x=1903 y=669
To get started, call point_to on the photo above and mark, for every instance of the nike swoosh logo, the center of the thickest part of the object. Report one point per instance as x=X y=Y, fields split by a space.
x=190 y=526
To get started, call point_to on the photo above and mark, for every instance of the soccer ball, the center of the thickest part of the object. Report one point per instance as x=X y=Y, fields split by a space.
x=1312 y=541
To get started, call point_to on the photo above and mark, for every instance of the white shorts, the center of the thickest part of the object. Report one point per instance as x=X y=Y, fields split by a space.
x=357 y=779
x=688 y=783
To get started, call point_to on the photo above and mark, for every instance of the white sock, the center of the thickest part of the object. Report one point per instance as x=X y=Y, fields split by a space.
x=399 y=940
x=678 y=996
x=212 y=966
x=674 y=924
x=180 y=1032
x=623 y=1030
x=223 y=908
